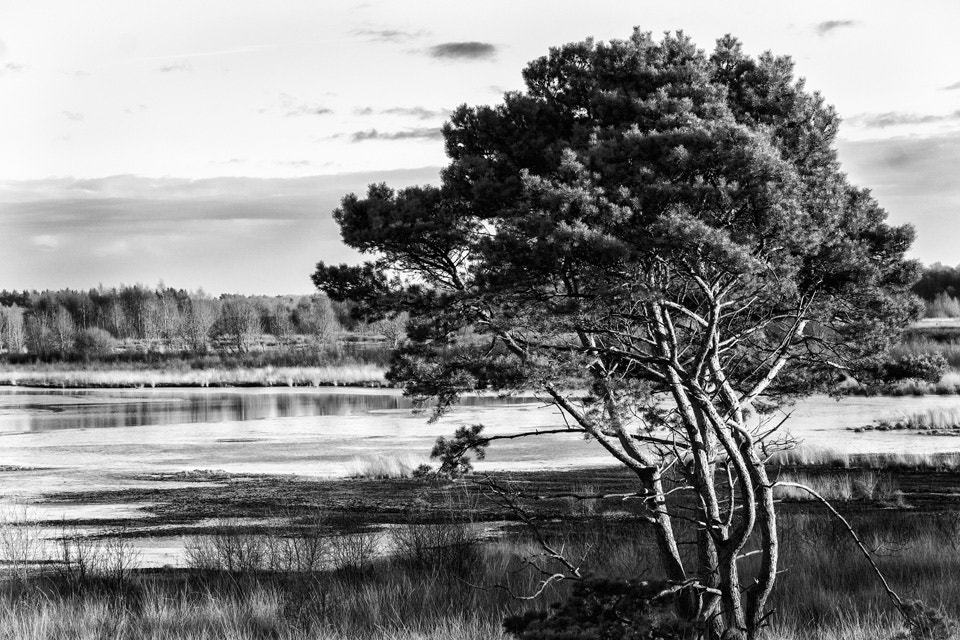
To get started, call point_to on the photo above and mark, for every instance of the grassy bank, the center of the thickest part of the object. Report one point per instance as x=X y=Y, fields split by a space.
x=826 y=591
x=342 y=364
x=51 y=375
x=435 y=572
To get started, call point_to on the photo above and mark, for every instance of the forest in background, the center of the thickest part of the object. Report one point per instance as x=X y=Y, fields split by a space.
x=146 y=321
x=138 y=322
x=939 y=287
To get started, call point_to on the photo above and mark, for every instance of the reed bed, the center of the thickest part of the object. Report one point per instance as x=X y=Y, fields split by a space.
x=930 y=421
x=446 y=580
x=809 y=456
x=331 y=375
x=841 y=486
x=826 y=590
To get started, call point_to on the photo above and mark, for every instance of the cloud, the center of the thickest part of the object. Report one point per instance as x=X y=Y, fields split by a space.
x=135 y=109
x=829 y=26
x=418 y=112
x=897 y=118
x=916 y=181
x=254 y=235
x=389 y=35
x=423 y=133
x=463 y=50
x=955 y=85
x=73 y=115
x=291 y=106
x=421 y=113
x=11 y=67
x=308 y=110
x=175 y=66
x=45 y=241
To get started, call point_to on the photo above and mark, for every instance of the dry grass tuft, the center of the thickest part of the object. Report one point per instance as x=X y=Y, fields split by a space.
x=380 y=467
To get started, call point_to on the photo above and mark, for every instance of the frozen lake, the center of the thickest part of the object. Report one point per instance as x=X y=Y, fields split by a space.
x=77 y=440
x=80 y=440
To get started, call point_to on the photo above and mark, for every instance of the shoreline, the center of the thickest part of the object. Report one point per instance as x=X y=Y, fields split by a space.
x=358 y=375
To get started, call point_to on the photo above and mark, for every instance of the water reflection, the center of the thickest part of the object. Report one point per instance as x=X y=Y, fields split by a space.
x=47 y=410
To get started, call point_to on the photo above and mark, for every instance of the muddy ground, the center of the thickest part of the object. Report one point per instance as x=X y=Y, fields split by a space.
x=215 y=498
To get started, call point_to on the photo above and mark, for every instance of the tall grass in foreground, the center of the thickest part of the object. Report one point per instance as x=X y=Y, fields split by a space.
x=841 y=486
x=826 y=590
x=343 y=374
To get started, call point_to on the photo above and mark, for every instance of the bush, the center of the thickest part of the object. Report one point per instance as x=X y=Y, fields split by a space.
x=449 y=546
x=928 y=367
x=94 y=343
x=607 y=609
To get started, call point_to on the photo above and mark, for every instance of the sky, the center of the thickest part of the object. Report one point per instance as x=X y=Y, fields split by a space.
x=205 y=144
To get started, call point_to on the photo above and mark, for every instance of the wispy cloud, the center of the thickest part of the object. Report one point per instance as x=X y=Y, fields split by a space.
x=421 y=113
x=308 y=110
x=292 y=106
x=951 y=87
x=140 y=108
x=463 y=50
x=418 y=112
x=423 y=133
x=829 y=26
x=11 y=67
x=389 y=35
x=897 y=118
x=175 y=66
x=73 y=115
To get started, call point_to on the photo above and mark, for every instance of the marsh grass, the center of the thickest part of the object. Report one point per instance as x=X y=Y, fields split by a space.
x=379 y=467
x=842 y=486
x=825 y=592
x=929 y=422
x=809 y=456
x=335 y=375
x=949 y=384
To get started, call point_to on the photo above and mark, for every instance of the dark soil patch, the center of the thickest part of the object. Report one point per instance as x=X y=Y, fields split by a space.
x=355 y=504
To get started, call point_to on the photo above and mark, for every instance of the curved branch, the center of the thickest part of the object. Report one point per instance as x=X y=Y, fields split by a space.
x=897 y=600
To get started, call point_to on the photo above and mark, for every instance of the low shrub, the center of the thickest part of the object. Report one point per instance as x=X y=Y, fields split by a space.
x=94 y=343
x=607 y=609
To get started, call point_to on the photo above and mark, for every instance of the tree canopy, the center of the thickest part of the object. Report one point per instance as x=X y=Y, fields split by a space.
x=670 y=231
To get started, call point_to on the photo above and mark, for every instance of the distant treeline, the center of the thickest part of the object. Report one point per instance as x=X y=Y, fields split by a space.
x=939 y=286
x=936 y=279
x=102 y=321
